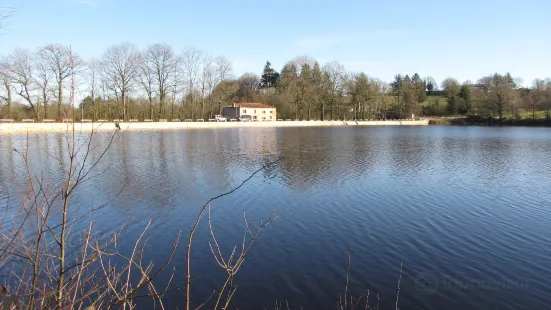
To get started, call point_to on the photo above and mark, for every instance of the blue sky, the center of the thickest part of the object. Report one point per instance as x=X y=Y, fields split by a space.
x=463 y=39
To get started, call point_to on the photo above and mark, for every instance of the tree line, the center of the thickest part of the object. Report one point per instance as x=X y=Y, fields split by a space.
x=160 y=83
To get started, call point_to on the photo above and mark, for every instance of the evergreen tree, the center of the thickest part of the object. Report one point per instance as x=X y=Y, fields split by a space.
x=420 y=88
x=270 y=77
x=453 y=104
x=465 y=95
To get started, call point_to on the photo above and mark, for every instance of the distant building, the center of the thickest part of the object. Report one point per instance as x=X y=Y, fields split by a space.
x=256 y=111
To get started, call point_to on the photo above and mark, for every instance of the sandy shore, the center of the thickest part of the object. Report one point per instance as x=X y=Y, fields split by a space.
x=18 y=128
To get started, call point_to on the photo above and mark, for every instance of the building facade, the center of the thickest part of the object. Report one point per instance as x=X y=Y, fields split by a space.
x=256 y=111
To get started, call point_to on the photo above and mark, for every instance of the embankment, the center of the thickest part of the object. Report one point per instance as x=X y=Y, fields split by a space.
x=20 y=128
x=483 y=121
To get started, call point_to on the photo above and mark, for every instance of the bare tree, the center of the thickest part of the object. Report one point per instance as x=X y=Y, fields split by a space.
x=527 y=96
x=431 y=85
x=224 y=92
x=335 y=74
x=6 y=95
x=57 y=58
x=289 y=85
x=5 y=14
x=146 y=78
x=94 y=71
x=191 y=62
x=46 y=270
x=207 y=73
x=249 y=84
x=43 y=79
x=224 y=69
x=304 y=60
x=158 y=69
x=499 y=92
x=121 y=64
x=19 y=67
x=451 y=87
x=542 y=96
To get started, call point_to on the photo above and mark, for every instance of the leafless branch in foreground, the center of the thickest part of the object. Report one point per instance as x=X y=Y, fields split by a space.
x=197 y=221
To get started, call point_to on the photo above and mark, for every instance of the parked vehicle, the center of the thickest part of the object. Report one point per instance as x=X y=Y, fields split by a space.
x=220 y=118
x=245 y=118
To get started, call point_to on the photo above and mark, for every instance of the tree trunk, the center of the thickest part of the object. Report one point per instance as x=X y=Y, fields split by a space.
x=93 y=105
x=45 y=100
x=124 y=105
x=162 y=103
x=203 y=107
x=150 y=108
x=160 y=109
x=8 y=97
x=59 y=96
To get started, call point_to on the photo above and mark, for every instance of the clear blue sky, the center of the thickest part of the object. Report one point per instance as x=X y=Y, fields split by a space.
x=463 y=39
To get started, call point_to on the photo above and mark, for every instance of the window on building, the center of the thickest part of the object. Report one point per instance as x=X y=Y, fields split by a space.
x=270 y=117
x=264 y=111
x=255 y=111
x=271 y=112
x=244 y=111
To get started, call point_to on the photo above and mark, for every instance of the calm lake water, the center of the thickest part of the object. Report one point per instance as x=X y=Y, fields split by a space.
x=466 y=209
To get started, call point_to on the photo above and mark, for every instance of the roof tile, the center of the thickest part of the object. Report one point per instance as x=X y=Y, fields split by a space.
x=252 y=105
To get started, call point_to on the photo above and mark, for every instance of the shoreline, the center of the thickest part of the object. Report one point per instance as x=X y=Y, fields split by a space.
x=23 y=128
x=479 y=121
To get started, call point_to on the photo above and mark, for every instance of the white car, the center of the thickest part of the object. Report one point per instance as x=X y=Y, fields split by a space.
x=220 y=118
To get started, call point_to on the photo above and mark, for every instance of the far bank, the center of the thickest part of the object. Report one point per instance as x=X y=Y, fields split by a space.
x=484 y=121
x=19 y=128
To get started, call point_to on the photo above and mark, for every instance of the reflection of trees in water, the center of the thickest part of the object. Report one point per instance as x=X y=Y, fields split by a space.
x=408 y=151
x=317 y=156
x=494 y=157
x=210 y=157
x=7 y=171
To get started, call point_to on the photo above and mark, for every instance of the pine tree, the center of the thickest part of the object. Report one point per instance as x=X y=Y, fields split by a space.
x=420 y=88
x=270 y=77
x=465 y=94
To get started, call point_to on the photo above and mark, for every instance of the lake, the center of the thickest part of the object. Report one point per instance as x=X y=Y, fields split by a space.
x=467 y=210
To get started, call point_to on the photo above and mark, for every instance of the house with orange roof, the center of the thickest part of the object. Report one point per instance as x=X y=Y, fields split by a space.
x=250 y=110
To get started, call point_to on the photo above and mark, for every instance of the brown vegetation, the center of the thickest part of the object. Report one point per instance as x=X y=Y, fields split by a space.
x=160 y=83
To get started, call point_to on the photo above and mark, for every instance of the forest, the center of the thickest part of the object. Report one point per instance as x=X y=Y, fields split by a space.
x=54 y=82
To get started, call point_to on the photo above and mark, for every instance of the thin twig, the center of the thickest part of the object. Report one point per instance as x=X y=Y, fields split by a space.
x=200 y=215
x=398 y=292
x=347 y=274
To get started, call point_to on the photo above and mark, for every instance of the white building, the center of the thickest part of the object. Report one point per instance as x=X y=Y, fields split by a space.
x=256 y=111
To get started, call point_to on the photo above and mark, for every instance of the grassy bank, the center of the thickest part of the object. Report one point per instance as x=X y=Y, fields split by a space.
x=480 y=121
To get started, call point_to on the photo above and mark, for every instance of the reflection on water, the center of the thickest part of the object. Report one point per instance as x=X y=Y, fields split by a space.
x=465 y=208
